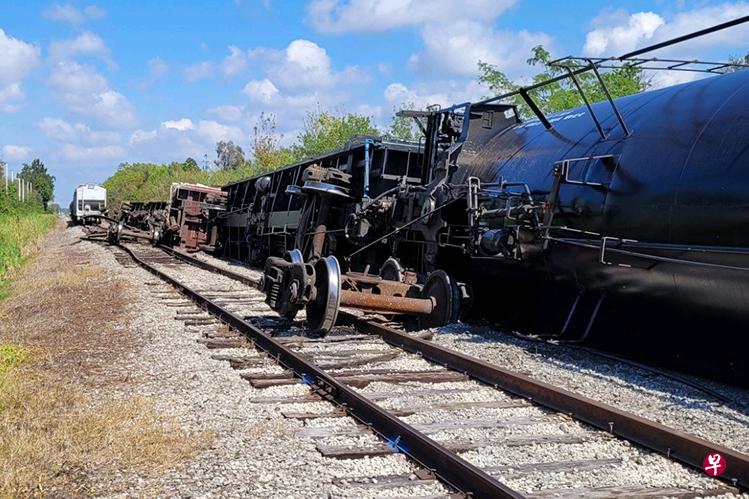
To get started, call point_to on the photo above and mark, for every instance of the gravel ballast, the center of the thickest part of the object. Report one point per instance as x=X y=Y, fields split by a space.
x=256 y=451
x=647 y=394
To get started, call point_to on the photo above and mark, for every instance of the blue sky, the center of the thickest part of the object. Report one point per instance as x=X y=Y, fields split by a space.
x=85 y=86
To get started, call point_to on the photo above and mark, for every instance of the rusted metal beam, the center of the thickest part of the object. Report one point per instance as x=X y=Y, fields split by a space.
x=386 y=303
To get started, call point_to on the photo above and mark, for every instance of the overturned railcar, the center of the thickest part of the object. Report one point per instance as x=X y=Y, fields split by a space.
x=192 y=212
x=263 y=214
x=187 y=220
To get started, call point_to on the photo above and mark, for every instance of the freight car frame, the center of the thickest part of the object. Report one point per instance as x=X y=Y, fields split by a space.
x=187 y=220
x=263 y=212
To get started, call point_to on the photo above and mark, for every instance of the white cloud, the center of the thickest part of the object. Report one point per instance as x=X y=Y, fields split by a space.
x=214 y=132
x=375 y=112
x=180 y=124
x=12 y=152
x=614 y=34
x=235 y=62
x=94 y=12
x=199 y=71
x=295 y=80
x=70 y=14
x=75 y=152
x=157 y=68
x=181 y=138
x=227 y=113
x=65 y=13
x=336 y=16
x=456 y=35
x=639 y=27
x=17 y=60
x=59 y=129
x=8 y=93
x=139 y=136
x=304 y=66
x=80 y=142
x=441 y=93
x=85 y=43
x=85 y=92
x=458 y=47
x=261 y=90
x=305 y=61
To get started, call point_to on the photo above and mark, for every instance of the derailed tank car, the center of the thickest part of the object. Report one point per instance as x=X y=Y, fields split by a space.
x=621 y=224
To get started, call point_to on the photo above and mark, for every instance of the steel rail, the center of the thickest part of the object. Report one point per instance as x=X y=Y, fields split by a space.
x=680 y=446
x=448 y=466
x=675 y=444
x=197 y=262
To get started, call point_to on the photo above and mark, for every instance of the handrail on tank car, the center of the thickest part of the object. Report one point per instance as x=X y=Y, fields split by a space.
x=689 y=65
x=594 y=63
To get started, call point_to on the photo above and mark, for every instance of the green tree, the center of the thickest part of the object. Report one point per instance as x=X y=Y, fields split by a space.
x=42 y=181
x=267 y=152
x=403 y=129
x=324 y=132
x=191 y=165
x=737 y=60
x=563 y=94
x=149 y=181
x=229 y=156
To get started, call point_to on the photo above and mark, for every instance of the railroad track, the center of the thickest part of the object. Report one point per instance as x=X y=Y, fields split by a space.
x=448 y=412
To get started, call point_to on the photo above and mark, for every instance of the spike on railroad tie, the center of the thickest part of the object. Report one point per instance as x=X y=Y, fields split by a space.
x=611 y=426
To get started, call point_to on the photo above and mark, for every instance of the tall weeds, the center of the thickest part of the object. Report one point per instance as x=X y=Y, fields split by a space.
x=18 y=232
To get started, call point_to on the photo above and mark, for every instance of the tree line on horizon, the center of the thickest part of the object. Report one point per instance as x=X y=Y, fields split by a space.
x=37 y=199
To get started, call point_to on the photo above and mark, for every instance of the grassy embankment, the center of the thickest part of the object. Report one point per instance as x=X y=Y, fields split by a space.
x=19 y=232
x=55 y=438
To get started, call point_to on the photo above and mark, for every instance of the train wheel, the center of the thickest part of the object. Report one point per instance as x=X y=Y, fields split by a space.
x=447 y=297
x=323 y=311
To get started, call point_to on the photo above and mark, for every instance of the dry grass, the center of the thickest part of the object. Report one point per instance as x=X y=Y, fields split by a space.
x=54 y=440
x=63 y=327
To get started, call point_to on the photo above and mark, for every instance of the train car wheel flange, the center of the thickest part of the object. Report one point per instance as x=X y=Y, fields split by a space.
x=445 y=294
x=323 y=311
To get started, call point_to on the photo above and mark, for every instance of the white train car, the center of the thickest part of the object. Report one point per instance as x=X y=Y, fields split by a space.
x=89 y=201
